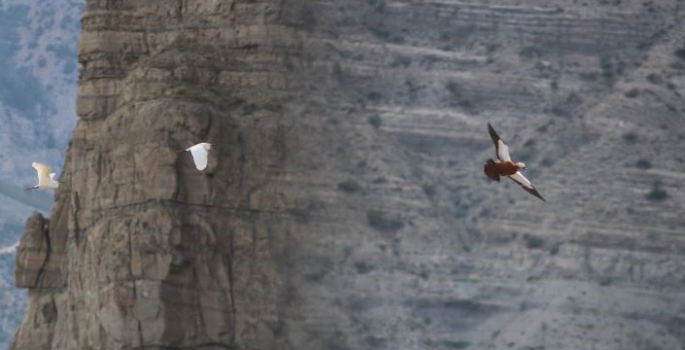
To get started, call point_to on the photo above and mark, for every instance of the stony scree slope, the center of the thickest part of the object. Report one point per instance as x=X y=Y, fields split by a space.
x=344 y=205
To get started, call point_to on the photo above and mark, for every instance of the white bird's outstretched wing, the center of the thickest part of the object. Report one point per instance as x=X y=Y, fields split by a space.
x=501 y=148
x=199 y=154
x=43 y=171
x=523 y=182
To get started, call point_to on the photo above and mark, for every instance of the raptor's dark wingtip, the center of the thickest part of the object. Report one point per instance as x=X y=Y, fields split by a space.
x=535 y=193
x=493 y=134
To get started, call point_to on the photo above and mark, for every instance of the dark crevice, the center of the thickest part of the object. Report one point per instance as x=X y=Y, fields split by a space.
x=242 y=168
x=52 y=319
x=75 y=206
x=133 y=284
x=133 y=180
x=198 y=298
x=230 y=286
x=46 y=236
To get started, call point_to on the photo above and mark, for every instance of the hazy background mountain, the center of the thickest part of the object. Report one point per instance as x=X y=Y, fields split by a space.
x=37 y=98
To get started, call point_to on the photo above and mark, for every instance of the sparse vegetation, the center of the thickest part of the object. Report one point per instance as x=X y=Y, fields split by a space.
x=429 y=60
x=386 y=35
x=465 y=104
x=424 y=275
x=376 y=342
x=362 y=267
x=607 y=67
x=680 y=53
x=308 y=19
x=589 y=76
x=413 y=89
x=654 y=78
x=429 y=189
x=533 y=242
x=337 y=70
x=530 y=52
x=643 y=164
x=374 y=96
x=630 y=137
x=454 y=89
x=316 y=277
x=605 y=281
x=273 y=106
x=632 y=93
x=376 y=121
x=574 y=99
x=547 y=161
x=403 y=61
x=300 y=215
x=349 y=186
x=554 y=249
x=249 y=109
x=380 y=32
x=554 y=84
x=559 y=110
x=380 y=220
x=672 y=86
x=456 y=344
x=377 y=3
x=565 y=108
x=610 y=68
x=657 y=193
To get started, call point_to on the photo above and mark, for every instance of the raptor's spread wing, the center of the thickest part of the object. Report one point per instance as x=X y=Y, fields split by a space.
x=500 y=146
x=523 y=182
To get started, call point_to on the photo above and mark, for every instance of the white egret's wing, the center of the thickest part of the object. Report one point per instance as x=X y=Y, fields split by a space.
x=43 y=171
x=523 y=182
x=199 y=156
x=500 y=146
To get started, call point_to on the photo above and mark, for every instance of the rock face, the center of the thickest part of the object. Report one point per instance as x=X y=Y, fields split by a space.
x=343 y=206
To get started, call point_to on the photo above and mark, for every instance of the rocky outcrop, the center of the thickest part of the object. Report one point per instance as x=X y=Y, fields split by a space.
x=343 y=206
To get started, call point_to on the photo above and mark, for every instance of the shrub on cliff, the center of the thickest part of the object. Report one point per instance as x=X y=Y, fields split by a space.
x=380 y=220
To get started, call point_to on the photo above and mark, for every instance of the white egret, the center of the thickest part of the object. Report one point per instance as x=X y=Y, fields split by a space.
x=46 y=179
x=199 y=153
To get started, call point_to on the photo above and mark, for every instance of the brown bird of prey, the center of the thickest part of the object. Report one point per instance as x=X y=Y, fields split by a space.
x=504 y=166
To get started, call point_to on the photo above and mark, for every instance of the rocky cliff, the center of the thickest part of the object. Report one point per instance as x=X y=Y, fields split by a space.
x=344 y=205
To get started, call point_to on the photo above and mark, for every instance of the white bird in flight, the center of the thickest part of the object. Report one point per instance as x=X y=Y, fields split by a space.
x=199 y=153
x=46 y=179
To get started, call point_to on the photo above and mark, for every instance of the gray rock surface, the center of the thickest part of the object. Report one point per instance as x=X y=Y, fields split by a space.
x=344 y=205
